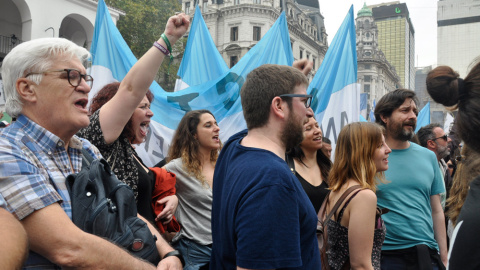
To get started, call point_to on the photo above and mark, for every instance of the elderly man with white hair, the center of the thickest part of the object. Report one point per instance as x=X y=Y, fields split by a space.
x=46 y=89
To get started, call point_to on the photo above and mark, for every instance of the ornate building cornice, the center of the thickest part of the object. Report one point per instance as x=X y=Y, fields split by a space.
x=273 y=14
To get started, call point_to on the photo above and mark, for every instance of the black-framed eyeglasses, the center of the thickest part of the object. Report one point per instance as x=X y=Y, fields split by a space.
x=308 y=101
x=445 y=137
x=74 y=76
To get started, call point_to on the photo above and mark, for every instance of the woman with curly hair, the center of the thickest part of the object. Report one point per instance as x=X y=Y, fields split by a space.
x=446 y=87
x=192 y=157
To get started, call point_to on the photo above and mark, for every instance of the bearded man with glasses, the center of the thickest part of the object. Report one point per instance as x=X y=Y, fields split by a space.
x=261 y=217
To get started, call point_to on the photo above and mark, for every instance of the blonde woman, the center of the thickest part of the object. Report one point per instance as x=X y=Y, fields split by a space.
x=355 y=234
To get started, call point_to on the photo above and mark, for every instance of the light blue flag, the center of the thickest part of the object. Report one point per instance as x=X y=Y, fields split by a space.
x=336 y=95
x=362 y=119
x=221 y=96
x=363 y=101
x=372 y=112
x=112 y=59
x=201 y=60
x=363 y=104
x=111 y=56
x=372 y=116
x=423 y=117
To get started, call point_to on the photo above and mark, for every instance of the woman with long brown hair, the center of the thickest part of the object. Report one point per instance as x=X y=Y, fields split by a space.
x=310 y=165
x=192 y=157
x=355 y=235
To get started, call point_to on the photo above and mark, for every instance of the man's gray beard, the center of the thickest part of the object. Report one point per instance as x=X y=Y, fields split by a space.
x=400 y=133
x=404 y=135
x=443 y=151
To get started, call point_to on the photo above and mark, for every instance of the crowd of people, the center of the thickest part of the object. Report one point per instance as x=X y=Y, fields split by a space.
x=255 y=202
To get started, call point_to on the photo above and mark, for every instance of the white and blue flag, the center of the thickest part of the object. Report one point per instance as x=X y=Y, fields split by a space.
x=372 y=112
x=201 y=60
x=363 y=105
x=111 y=60
x=336 y=94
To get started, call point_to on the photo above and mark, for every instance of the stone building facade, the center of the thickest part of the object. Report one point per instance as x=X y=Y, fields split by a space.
x=375 y=74
x=237 y=25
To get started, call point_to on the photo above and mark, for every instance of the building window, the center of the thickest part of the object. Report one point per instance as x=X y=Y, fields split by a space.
x=205 y=5
x=257 y=33
x=366 y=88
x=234 y=33
x=258 y=2
x=301 y=54
x=367 y=66
x=308 y=56
x=233 y=61
x=314 y=62
x=187 y=7
x=367 y=78
x=236 y=2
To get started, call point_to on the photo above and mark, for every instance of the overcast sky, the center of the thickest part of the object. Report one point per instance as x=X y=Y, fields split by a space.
x=423 y=14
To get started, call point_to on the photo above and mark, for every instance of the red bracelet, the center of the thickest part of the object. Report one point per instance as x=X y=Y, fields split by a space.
x=161 y=48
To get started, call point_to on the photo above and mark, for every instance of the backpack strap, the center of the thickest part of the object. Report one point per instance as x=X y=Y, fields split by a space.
x=340 y=214
x=322 y=211
x=86 y=157
x=324 y=232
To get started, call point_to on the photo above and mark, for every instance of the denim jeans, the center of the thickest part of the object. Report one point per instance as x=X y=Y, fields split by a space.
x=195 y=255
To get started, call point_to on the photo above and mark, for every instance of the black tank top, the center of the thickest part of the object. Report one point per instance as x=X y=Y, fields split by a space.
x=316 y=194
x=146 y=183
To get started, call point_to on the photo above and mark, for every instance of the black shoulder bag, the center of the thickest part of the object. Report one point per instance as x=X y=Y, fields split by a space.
x=104 y=206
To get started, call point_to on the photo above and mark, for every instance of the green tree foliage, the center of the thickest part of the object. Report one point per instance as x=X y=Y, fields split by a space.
x=143 y=24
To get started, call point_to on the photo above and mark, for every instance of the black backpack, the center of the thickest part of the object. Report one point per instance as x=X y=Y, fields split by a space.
x=104 y=206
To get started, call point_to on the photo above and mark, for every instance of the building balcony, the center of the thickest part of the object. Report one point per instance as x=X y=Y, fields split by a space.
x=7 y=44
